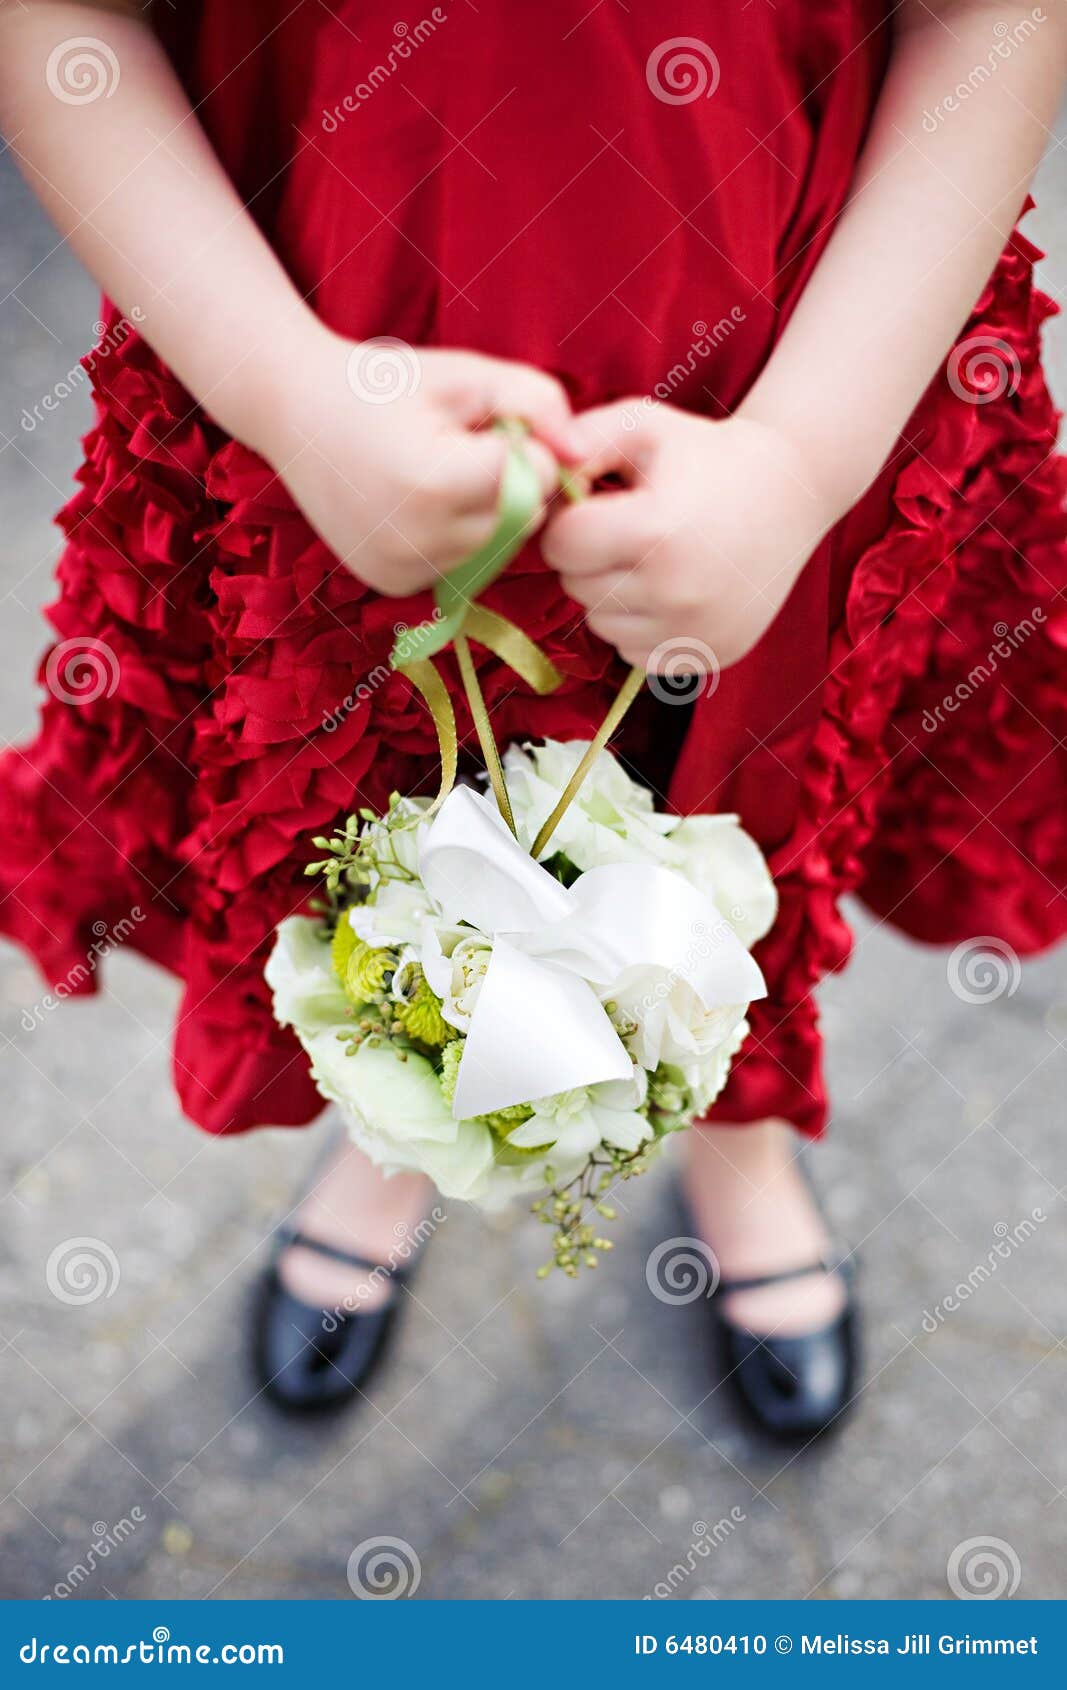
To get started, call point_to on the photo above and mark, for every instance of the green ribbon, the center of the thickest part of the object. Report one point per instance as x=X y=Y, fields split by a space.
x=520 y=500
x=458 y=617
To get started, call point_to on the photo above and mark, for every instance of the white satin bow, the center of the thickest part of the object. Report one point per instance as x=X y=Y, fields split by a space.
x=539 y=1025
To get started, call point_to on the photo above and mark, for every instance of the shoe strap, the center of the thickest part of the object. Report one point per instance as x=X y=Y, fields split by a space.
x=756 y=1282
x=291 y=1237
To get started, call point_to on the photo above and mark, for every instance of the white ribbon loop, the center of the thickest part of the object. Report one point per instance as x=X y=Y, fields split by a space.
x=539 y=1024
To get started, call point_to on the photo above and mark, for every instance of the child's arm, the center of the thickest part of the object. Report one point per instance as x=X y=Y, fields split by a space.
x=722 y=516
x=400 y=490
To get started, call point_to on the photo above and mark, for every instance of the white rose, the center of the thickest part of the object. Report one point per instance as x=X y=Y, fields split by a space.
x=611 y=820
x=726 y=864
x=396 y=917
x=673 y=1024
x=307 y=992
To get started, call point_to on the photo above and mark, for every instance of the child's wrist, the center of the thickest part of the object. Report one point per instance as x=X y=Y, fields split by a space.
x=255 y=403
x=838 y=467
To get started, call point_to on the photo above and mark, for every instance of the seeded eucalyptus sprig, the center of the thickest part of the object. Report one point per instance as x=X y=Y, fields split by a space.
x=571 y=1209
x=357 y=854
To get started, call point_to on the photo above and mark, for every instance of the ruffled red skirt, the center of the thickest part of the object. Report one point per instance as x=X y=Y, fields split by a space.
x=552 y=183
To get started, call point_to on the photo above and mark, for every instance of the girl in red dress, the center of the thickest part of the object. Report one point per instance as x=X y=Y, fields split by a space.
x=757 y=263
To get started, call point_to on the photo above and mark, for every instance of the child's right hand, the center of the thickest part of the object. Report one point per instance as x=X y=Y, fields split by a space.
x=385 y=451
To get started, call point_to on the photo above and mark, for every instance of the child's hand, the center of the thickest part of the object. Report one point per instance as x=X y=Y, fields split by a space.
x=688 y=566
x=379 y=445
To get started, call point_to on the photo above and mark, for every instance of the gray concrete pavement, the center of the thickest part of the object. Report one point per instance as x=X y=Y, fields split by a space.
x=524 y=1440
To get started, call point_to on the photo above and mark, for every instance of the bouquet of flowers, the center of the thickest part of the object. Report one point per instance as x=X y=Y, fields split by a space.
x=523 y=994
x=507 y=1025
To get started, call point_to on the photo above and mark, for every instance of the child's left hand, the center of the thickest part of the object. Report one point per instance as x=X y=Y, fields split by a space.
x=689 y=564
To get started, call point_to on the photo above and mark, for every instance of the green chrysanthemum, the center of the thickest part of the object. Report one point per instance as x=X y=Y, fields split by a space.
x=367 y=971
x=451 y=1057
x=342 y=945
x=421 y=1017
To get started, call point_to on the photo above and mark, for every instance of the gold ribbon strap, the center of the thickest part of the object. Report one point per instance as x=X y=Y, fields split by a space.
x=427 y=682
x=629 y=690
x=483 y=728
x=514 y=647
x=458 y=618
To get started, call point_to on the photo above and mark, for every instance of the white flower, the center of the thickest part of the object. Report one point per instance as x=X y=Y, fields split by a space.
x=575 y=1123
x=307 y=992
x=614 y=974
x=391 y=1100
x=672 y=1025
x=469 y=960
x=396 y=917
x=395 y=839
x=612 y=820
x=726 y=864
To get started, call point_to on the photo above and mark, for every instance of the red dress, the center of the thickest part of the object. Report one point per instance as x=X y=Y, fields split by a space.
x=564 y=184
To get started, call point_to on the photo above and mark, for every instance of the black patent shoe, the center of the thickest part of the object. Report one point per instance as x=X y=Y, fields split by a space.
x=794 y=1387
x=310 y=1359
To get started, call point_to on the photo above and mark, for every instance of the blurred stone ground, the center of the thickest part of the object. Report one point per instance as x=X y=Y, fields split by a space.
x=524 y=1440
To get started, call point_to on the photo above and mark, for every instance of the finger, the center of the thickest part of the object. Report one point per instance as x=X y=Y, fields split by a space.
x=625 y=591
x=467 y=474
x=545 y=465
x=617 y=440
x=538 y=399
x=634 y=637
x=606 y=531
